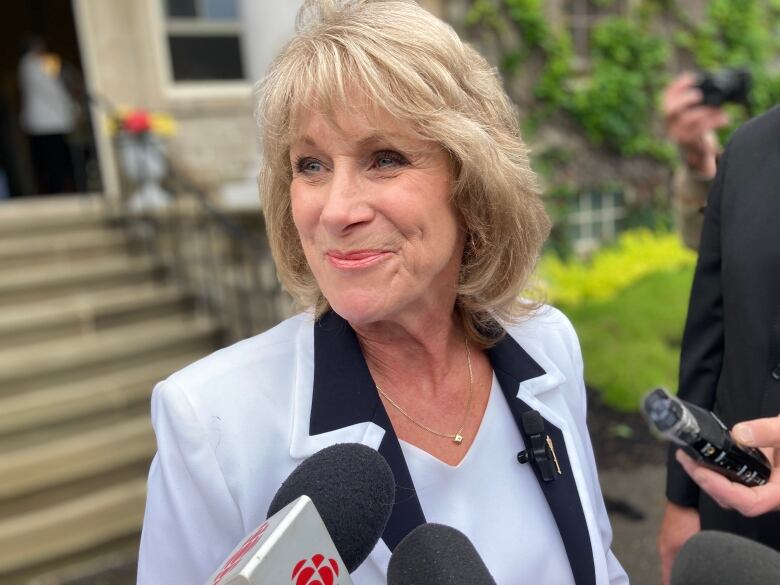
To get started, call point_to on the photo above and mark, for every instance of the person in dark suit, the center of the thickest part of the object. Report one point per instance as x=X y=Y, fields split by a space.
x=730 y=360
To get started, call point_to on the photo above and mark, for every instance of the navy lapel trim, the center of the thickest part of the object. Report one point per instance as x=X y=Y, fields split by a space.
x=344 y=394
x=513 y=365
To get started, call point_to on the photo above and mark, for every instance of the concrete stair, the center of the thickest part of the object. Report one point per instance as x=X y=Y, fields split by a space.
x=86 y=330
x=29 y=283
x=35 y=248
x=88 y=312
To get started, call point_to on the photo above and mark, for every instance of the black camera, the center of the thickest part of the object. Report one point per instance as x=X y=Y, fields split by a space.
x=704 y=437
x=726 y=85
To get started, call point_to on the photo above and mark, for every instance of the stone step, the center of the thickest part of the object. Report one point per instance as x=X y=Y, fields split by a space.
x=117 y=567
x=47 y=215
x=89 y=520
x=64 y=429
x=34 y=249
x=69 y=360
x=25 y=284
x=95 y=451
x=53 y=406
x=86 y=330
x=95 y=565
x=87 y=312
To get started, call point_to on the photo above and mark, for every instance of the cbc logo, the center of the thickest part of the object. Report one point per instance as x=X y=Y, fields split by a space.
x=316 y=571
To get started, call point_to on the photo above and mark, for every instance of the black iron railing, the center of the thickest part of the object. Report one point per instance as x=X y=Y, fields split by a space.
x=221 y=260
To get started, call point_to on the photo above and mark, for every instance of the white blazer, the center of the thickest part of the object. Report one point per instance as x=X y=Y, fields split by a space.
x=232 y=426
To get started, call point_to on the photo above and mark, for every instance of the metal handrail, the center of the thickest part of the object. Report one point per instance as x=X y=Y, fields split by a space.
x=225 y=268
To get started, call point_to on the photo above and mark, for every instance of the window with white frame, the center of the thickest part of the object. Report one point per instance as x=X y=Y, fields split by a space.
x=597 y=217
x=583 y=15
x=204 y=40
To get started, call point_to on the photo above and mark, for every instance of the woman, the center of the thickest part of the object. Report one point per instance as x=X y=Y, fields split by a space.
x=403 y=213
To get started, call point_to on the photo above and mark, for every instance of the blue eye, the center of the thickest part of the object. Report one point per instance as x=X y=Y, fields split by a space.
x=388 y=159
x=384 y=161
x=308 y=165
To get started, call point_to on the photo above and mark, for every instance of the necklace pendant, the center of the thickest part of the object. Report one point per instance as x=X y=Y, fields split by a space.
x=458 y=439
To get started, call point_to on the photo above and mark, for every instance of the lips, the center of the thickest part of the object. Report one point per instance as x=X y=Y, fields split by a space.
x=356 y=259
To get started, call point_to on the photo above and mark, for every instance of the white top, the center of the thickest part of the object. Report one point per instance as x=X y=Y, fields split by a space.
x=47 y=107
x=504 y=518
x=232 y=426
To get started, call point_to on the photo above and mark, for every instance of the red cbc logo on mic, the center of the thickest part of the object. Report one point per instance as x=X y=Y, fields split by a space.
x=233 y=561
x=316 y=571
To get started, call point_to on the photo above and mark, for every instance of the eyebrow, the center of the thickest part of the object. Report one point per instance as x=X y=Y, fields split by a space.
x=369 y=140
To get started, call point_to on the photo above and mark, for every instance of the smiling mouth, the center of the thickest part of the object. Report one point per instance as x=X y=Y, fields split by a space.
x=357 y=259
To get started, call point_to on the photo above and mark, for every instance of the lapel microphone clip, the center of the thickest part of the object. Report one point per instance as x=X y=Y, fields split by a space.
x=541 y=452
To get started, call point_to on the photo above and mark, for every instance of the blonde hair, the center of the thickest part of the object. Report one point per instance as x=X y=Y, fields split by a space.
x=414 y=67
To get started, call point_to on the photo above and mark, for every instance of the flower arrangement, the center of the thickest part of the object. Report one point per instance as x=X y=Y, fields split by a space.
x=137 y=121
x=141 y=152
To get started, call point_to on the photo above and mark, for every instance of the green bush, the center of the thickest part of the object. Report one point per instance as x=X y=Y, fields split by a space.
x=628 y=305
x=636 y=254
x=631 y=343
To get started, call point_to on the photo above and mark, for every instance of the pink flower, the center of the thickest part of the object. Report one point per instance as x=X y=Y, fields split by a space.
x=136 y=122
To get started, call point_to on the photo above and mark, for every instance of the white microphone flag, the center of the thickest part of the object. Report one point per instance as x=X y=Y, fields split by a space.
x=292 y=546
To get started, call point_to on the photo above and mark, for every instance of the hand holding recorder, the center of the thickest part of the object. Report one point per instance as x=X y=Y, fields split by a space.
x=761 y=433
x=738 y=470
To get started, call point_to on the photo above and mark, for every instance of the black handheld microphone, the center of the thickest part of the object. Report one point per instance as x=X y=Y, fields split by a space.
x=322 y=523
x=711 y=557
x=353 y=489
x=434 y=554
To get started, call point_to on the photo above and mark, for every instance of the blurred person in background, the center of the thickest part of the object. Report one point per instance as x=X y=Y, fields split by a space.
x=692 y=127
x=48 y=116
x=730 y=356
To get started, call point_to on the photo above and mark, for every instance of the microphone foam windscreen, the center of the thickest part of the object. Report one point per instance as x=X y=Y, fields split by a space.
x=353 y=489
x=533 y=424
x=710 y=558
x=434 y=554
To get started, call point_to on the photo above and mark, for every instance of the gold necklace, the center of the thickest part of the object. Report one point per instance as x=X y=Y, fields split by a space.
x=456 y=437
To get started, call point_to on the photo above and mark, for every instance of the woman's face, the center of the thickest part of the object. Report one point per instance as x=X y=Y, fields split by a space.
x=372 y=207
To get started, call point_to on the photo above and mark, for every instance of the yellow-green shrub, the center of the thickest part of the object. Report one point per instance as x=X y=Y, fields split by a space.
x=636 y=254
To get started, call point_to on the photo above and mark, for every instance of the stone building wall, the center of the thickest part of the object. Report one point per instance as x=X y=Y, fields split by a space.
x=125 y=59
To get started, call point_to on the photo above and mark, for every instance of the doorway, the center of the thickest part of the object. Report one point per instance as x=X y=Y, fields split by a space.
x=53 y=22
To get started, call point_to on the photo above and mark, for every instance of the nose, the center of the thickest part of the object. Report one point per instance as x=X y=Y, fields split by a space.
x=347 y=204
